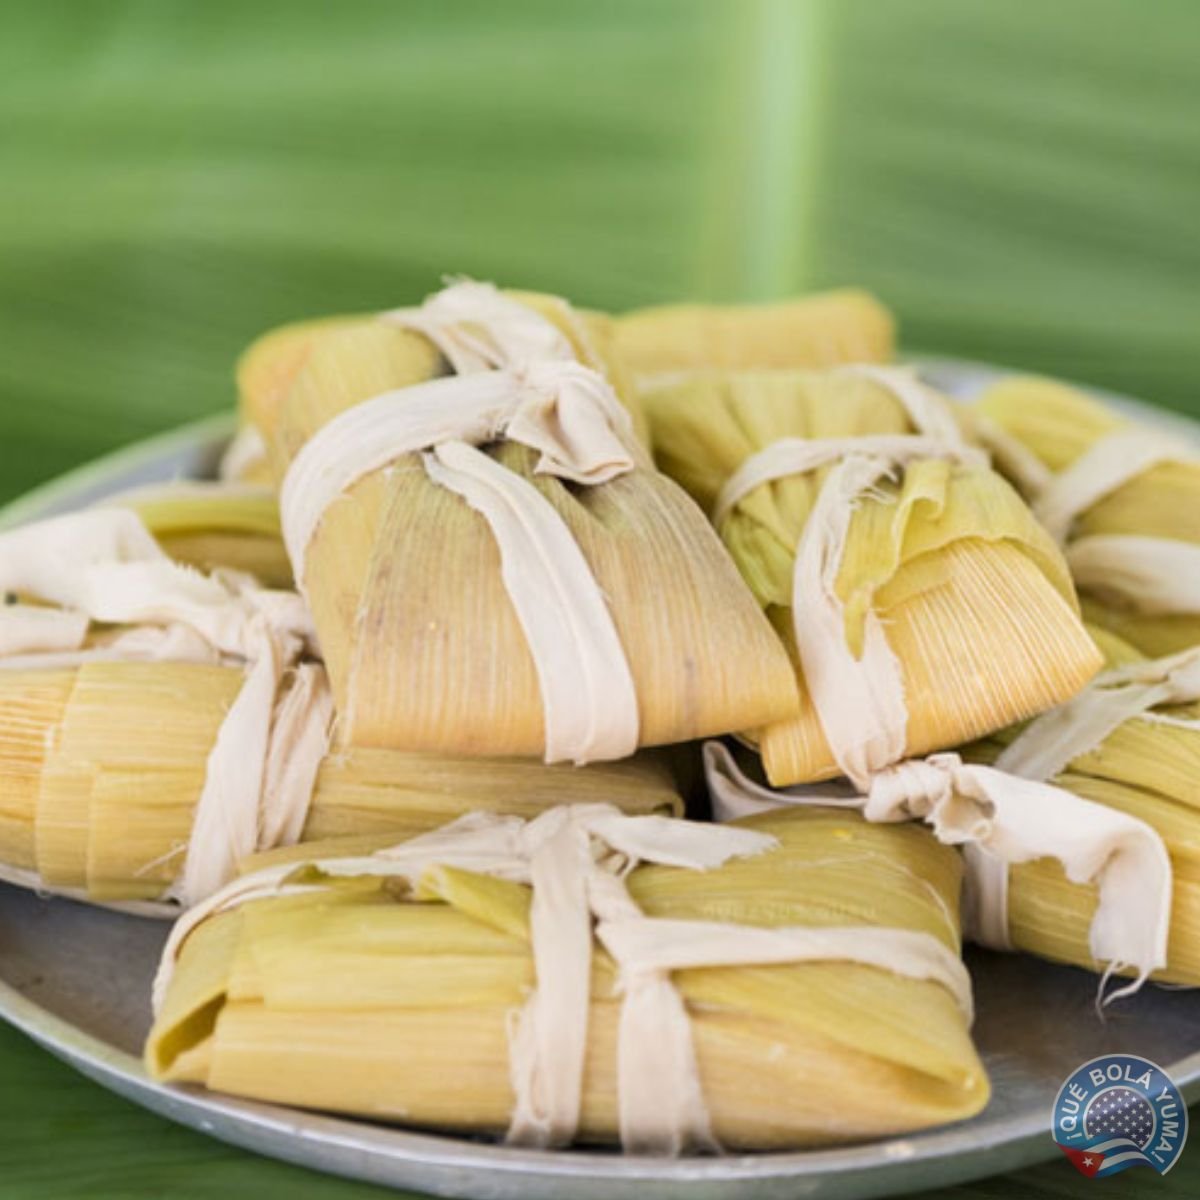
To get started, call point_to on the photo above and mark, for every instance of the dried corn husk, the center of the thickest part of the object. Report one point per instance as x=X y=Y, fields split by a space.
x=974 y=596
x=1148 y=768
x=354 y=998
x=811 y=331
x=419 y=634
x=210 y=525
x=269 y=366
x=101 y=767
x=1058 y=424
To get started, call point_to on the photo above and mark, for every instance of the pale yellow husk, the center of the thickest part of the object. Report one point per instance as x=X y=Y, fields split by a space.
x=1151 y=771
x=1058 y=424
x=821 y=330
x=268 y=367
x=421 y=640
x=975 y=597
x=357 y=999
x=233 y=526
x=101 y=767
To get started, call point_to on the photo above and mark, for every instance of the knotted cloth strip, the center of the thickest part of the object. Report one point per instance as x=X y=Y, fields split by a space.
x=518 y=380
x=576 y=859
x=102 y=566
x=1003 y=819
x=478 y=328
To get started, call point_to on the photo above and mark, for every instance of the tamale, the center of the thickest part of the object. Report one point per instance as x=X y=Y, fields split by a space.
x=102 y=765
x=1149 y=768
x=354 y=998
x=821 y=330
x=209 y=525
x=975 y=598
x=1059 y=425
x=409 y=593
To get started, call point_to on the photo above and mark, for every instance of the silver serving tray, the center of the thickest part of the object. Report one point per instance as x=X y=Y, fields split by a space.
x=77 y=980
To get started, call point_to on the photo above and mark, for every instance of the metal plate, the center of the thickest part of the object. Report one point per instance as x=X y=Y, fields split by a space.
x=77 y=980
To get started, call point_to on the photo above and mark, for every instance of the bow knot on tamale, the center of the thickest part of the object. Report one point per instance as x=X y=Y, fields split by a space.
x=478 y=328
x=1003 y=819
x=103 y=566
x=685 y=972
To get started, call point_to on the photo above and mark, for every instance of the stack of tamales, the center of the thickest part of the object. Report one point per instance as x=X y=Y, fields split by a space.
x=320 y=963
x=1134 y=546
x=358 y=997
x=975 y=598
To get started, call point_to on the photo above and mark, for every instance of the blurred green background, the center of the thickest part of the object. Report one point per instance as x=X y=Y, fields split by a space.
x=1020 y=181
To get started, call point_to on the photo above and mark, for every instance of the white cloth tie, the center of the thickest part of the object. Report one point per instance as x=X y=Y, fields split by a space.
x=1001 y=819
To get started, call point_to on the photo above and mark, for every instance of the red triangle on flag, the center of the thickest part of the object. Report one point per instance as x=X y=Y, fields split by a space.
x=1087 y=1162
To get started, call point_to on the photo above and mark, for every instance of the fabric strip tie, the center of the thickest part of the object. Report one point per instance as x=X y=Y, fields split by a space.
x=1155 y=576
x=476 y=327
x=1051 y=742
x=1003 y=818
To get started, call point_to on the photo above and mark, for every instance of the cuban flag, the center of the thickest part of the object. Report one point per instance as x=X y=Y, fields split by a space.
x=1106 y=1156
x=1120 y=1122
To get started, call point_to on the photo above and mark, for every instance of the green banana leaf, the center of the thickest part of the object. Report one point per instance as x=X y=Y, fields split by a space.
x=1019 y=181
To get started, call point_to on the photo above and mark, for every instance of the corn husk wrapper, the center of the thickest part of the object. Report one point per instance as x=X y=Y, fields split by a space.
x=1150 y=770
x=812 y=331
x=975 y=597
x=215 y=525
x=356 y=998
x=419 y=635
x=101 y=767
x=1058 y=424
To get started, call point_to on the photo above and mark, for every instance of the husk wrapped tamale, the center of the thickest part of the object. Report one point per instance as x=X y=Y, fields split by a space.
x=1059 y=424
x=1148 y=768
x=822 y=330
x=213 y=525
x=975 y=598
x=355 y=998
x=418 y=630
x=102 y=765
